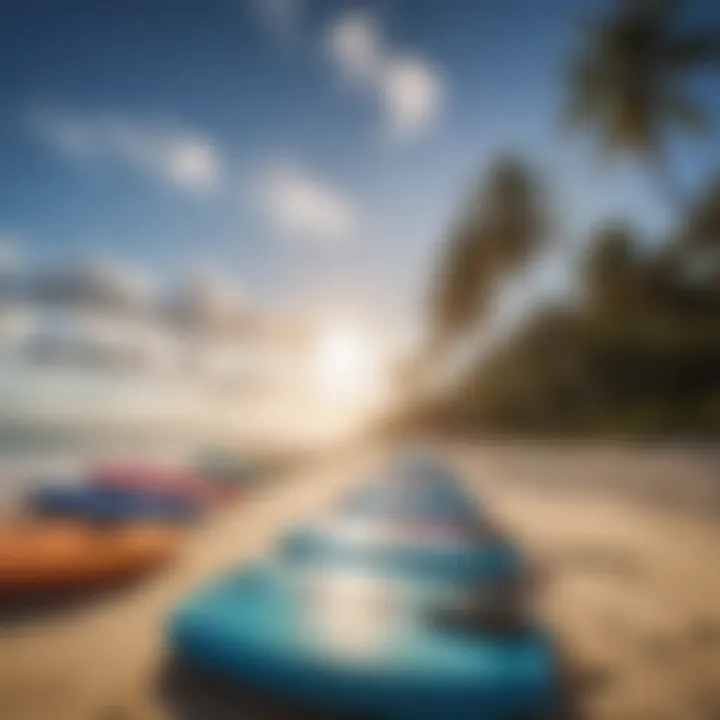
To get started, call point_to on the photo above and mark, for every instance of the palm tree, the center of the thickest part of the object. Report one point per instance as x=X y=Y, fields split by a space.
x=612 y=269
x=628 y=80
x=495 y=234
x=701 y=226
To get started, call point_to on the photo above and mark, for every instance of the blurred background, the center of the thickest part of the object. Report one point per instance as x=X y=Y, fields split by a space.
x=297 y=225
x=500 y=218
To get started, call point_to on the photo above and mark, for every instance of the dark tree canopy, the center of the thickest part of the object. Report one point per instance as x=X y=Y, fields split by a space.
x=628 y=79
x=496 y=233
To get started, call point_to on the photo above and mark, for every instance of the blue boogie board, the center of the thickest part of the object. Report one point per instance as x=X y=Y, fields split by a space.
x=416 y=489
x=396 y=500
x=255 y=627
x=368 y=613
x=392 y=656
x=100 y=504
x=463 y=564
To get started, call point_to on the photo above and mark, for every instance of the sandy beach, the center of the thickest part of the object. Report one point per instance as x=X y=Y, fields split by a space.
x=625 y=541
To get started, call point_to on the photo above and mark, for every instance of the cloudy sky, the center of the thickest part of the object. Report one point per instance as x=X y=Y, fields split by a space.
x=313 y=150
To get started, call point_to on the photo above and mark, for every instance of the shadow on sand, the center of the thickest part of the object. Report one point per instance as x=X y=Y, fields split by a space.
x=19 y=608
x=192 y=694
x=188 y=693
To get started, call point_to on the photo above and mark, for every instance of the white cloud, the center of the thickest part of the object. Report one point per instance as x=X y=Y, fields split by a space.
x=208 y=290
x=353 y=41
x=412 y=96
x=176 y=156
x=124 y=279
x=409 y=89
x=193 y=163
x=304 y=208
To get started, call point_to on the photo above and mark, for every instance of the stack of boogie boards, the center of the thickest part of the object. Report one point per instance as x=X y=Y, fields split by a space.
x=124 y=522
x=113 y=505
x=166 y=480
x=386 y=609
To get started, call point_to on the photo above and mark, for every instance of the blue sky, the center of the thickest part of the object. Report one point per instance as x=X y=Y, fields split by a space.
x=312 y=150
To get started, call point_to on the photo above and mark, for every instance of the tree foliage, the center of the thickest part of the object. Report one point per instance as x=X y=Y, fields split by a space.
x=639 y=351
x=496 y=233
x=628 y=79
x=637 y=354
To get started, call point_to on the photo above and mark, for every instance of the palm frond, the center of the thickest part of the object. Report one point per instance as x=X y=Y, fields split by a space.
x=692 y=52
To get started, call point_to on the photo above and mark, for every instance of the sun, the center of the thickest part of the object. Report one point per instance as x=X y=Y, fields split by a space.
x=346 y=359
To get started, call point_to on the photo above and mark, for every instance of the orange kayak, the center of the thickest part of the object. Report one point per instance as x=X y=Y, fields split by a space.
x=58 y=556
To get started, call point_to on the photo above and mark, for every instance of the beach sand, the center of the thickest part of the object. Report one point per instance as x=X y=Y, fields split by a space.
x=626 y=542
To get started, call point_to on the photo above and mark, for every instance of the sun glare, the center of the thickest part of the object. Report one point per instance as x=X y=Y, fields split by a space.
x=346 y=360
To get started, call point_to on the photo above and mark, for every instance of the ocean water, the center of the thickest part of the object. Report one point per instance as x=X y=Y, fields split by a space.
x=56 y=420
